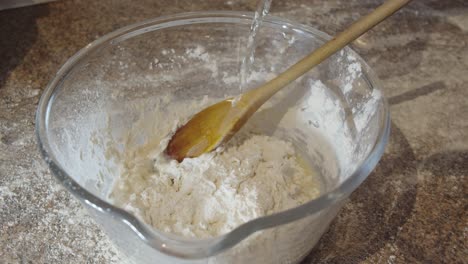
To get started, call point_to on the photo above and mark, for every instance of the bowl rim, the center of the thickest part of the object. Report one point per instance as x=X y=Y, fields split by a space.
x=176 y=245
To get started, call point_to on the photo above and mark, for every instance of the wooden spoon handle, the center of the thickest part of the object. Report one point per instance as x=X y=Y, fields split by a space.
x=365 y=23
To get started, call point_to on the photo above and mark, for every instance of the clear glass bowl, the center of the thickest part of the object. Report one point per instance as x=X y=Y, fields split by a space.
x=342 y=132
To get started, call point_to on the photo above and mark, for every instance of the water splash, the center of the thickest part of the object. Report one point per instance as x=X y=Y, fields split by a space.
x=263 y=7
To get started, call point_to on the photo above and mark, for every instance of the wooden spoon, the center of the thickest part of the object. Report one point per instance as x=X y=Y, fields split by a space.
x=219 y=122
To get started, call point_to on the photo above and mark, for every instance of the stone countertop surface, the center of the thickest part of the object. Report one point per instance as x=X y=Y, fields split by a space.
x=411 y=209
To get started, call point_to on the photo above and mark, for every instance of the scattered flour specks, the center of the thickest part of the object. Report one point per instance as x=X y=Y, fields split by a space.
x=353 y=72
x=199 y=53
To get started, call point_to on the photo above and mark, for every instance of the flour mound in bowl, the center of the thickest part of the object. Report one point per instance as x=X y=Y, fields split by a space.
x=254 y=175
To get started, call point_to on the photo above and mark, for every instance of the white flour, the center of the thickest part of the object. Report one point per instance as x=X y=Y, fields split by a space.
x=255 y=175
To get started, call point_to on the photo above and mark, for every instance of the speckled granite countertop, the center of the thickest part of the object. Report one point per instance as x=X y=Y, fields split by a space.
x=411 y=209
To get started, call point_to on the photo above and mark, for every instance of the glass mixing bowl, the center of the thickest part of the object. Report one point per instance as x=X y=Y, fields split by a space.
x=341 y=126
